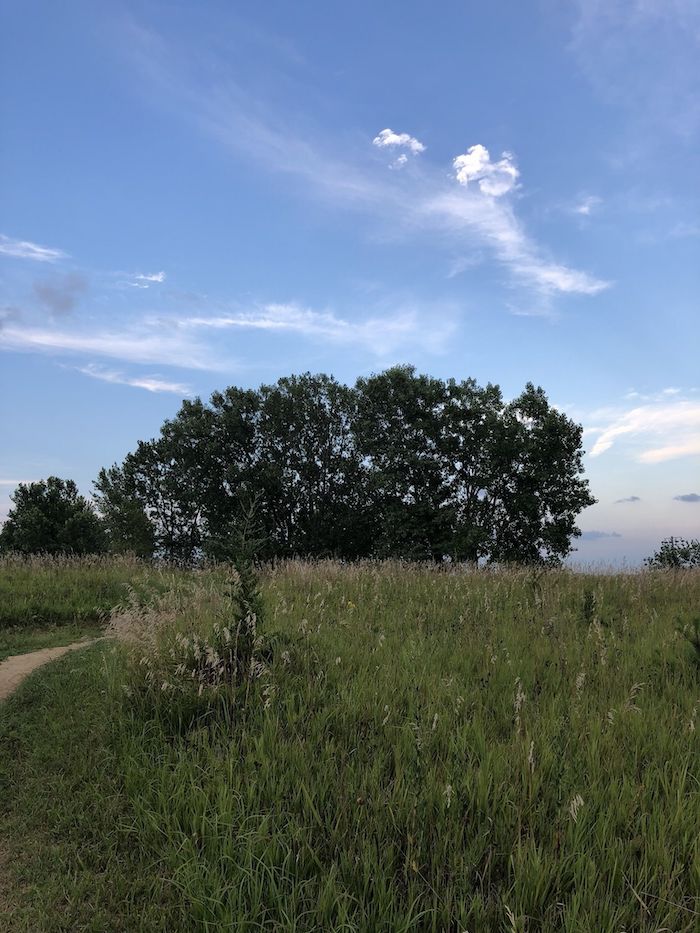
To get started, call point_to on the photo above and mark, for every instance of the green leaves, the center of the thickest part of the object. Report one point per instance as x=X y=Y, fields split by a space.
x=50 y=517
x=675 y=554
x=401 y=465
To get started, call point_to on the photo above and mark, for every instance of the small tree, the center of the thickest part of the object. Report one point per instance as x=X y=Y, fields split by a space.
x=50 y=517
x=675 y=554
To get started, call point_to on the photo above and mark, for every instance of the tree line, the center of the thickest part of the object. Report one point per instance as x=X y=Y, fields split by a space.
x=398 y=465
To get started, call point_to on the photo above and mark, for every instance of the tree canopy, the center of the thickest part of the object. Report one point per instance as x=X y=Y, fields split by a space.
x=400 y=465
x=50 y=517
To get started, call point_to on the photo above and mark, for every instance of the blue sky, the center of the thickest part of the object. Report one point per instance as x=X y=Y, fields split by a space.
x=194 y=195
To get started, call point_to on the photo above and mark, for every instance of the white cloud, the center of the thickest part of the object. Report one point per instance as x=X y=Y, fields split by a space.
x=689 y=448
x=383 y=333
x=667 y=428
x=388 y=138
x=159 y=342
x=140 y=280
x=150 y=383
x=465 y=218
x=190 y=342
x=493 y=178
x=23 y=249
x=469 y=213
x=153 y=277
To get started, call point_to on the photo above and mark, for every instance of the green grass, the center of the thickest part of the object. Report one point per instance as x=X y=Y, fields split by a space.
x=423 y=750
x=20 y=640
x=47 y=591
x=67 y=862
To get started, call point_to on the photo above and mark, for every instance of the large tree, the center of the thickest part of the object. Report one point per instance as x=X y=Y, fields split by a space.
x=50 y=517
x=456 y=471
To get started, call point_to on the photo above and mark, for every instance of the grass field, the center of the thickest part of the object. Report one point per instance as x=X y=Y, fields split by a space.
x=419 y=749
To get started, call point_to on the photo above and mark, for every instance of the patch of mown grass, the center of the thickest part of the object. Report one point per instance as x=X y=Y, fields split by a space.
x=46 y=591
x=420 y=750
x=20 y=639
x=68 y=859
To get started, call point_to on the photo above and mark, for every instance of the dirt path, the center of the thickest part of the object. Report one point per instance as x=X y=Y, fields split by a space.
x=14 y=669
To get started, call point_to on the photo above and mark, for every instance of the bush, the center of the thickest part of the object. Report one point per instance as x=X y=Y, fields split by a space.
x=675 y=554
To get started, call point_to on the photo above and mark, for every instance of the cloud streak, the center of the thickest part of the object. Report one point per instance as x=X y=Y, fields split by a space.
x=687 y=497
x=24 y=249
x=149 y=383
x=155 y=342
x=667 y=428
x=197 y=341
x=493 y=223
x=424 y=202
x=598 y=535
x=380 y=334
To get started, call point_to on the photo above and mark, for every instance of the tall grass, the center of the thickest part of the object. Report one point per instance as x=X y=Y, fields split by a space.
x=427 y=750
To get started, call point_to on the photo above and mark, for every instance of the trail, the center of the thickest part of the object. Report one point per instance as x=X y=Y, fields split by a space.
x=14 y=669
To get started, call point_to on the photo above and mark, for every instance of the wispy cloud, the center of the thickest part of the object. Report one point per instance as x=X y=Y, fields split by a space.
x=197 y=341
x=643 y=55
x=667 y=427
x=379 y=334
x=687 y=497
x=149 y=383
x=23 y=249
x=628 y=499
x=141 y=280
x=493 y=221
x=160 y=342
x=422 y=202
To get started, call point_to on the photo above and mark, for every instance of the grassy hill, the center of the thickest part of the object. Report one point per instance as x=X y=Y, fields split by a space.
x=416 y=749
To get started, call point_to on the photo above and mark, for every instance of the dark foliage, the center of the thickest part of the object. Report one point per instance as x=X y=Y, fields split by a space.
x=50 y=517
x=675 y=554
x=401 y=465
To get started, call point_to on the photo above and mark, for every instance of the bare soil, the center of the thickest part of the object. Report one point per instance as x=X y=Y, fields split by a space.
x=14 y=669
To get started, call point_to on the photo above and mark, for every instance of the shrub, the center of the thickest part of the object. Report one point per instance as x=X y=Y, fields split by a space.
x=675 y=554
